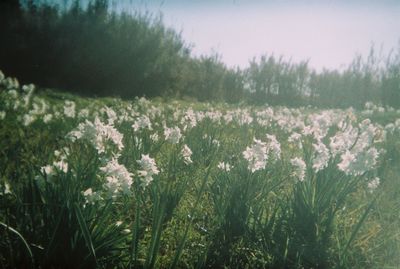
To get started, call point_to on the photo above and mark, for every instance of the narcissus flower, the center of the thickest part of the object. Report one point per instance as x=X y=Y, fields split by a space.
x=97 y=133
x=256 y=155
x=224 y=166
x=143 y=122
x=172 y=135
x=148 y=169
x=118 y=179
x=299 y=168
x=186 y=154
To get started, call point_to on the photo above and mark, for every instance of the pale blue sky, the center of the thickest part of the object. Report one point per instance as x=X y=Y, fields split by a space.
x=328 y=33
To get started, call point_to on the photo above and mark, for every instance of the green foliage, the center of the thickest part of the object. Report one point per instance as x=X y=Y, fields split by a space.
x=95 y=51
x=121 y=54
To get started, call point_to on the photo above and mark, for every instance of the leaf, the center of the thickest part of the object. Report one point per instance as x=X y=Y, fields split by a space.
x=85 y=231
x=22 y=239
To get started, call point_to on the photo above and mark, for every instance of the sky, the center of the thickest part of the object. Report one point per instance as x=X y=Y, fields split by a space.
x=328 y=34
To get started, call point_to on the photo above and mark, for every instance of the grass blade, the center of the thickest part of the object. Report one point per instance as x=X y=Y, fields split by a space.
x=85 y=231
x=22 y=239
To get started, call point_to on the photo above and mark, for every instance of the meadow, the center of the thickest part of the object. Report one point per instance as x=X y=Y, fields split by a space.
x=161 y=183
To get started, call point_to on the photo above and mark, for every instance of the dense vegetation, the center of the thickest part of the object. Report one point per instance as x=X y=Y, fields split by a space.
x=106 y=183
x=171 y=182
x=95 y=51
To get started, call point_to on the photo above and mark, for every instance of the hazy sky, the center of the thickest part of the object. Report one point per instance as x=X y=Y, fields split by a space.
x=328 y=33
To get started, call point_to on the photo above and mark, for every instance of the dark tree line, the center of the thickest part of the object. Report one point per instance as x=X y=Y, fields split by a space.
x=94 y=51
x=90 y=50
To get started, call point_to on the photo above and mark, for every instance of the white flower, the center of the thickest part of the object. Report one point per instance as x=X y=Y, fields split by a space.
x=143 y=122
x=189 y=118
x=224 y=166
x=86 y=131
x=243 y=117
x=97 y=133
x=2 y=115
x=112 y=134
x=273 y=147
x=28 y=88
x=397 y=122
x=366 y=137
x=320 y=124
x=294 y=137
x=118 y=179
x=228 y=117
x=15 y=83
x=7 y=189
x=347 y=159
x=186 y=153
x=61 y=165
x=69 y=109
x=83 y=113
x=343 y=140
x=373 y=184
x=321 y=156
x=358 y=163
x=17 y=103
x=28 y=119
x=214 y=116
x=300 y=168
x=48 y=171
x=91 y=197
x=111 y=115
x=149 y=169
x=13 y=94
x=172 y=135
x=369 y=105
x=265 y=116
x=256 y=155
x=390 y=127
x=154 y=137
x=47 y=118
x=112 y=186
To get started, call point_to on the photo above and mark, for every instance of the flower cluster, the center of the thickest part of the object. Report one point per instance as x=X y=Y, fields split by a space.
x=110 y=114
x=361 y=155
x=224 y=166
x=91 y=197
x=299 y=168
x=357 y=164
x=273 y=147
x=97 y=133
x=143 y=122
x=148 y=169
x=59 y=165
x=186 y=154
x=256 y=155
x=70 y=109
x=172 y=135
x=321 y=156
x=117 y=177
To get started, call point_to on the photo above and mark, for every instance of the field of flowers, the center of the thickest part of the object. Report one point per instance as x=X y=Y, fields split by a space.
x=108 y=183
